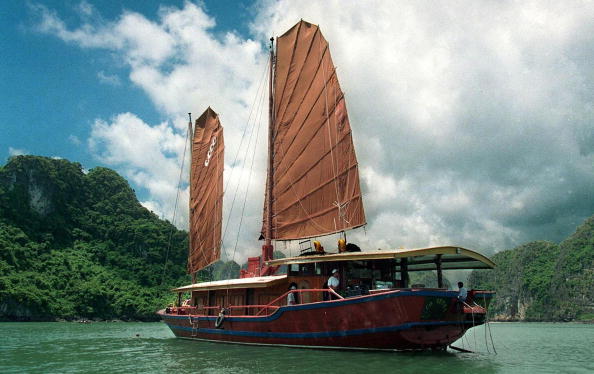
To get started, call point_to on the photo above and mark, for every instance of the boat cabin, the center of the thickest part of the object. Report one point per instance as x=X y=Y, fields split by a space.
x=360 y=273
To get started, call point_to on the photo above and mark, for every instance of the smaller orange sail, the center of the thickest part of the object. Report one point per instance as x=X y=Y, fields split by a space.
x=206 y=192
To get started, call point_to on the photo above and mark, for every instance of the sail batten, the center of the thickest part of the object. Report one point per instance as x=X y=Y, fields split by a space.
x=206 y=191
x=295 y=82
x=315 y=183
x=283 y=166
x=304 y=92
x=313 y=190
x=297 y=178
x=299 y=124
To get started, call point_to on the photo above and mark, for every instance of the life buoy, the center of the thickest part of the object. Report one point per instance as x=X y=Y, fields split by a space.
x=220 y=319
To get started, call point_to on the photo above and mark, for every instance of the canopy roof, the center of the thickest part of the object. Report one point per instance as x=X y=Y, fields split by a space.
x=418 y=259
x=255 y=282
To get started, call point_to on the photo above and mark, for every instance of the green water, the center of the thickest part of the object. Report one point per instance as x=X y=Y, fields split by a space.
x=116 y=348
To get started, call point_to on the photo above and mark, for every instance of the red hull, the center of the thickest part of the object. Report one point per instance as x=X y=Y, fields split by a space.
x=401 y=320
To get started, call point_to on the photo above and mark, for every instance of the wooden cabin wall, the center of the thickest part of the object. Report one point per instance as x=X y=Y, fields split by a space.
x=258 y=296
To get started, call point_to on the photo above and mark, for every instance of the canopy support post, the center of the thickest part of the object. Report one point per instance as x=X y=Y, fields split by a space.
x=439 y=272
x=404 y=272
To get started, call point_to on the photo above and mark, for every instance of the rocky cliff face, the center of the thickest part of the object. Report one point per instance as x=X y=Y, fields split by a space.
x=40 y=200
x=37 y=189
x=16 y=311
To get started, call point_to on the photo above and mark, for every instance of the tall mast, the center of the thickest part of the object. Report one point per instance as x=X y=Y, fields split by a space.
x=267 y=250
x=191 y=139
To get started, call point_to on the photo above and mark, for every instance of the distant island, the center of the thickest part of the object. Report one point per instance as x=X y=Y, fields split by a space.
x=543 y=281
x=76 y=245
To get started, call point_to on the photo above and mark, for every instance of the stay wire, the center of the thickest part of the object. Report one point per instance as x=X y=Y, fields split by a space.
x=262 y=79
x=173 y=228
x=258 y=110
x=248 y=183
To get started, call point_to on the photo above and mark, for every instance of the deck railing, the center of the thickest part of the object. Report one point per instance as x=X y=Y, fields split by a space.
x=297 y=291
x=259 y=310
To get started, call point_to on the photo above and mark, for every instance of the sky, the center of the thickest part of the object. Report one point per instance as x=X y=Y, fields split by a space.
x=473 y=121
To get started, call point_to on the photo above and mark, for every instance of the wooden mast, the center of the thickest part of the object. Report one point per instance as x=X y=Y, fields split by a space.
x=191 y=139
x=267 y=247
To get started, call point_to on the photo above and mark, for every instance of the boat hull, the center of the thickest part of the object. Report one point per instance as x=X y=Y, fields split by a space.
x=397 y=320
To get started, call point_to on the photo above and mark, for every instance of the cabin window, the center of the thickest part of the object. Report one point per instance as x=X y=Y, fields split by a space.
x=369 y=275
x=307 y=269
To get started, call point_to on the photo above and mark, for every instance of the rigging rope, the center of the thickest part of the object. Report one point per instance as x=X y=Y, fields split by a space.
x=173 y=228
x=258 y=110
x=487 y=325
x=248 y=183
x=262 y=79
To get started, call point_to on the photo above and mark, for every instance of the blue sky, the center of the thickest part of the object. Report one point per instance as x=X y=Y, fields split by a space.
x=473 y=121
x=52 y=92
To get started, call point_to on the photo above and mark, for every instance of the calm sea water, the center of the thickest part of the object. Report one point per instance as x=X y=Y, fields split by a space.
x=115 y=348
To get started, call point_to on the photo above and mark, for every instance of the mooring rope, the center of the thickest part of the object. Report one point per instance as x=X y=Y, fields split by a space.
x=487 y=324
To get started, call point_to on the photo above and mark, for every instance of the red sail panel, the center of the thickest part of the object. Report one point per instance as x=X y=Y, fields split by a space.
x=316 y=187
x=206 y=192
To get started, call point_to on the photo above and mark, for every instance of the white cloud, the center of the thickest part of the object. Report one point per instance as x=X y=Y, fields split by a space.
x=472 y=121
x=112 y=80
x=150 y=156
x=74 y=140
x=17 y=151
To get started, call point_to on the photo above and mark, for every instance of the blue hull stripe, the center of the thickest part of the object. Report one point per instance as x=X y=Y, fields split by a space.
x=314 y=335
x=327 y=304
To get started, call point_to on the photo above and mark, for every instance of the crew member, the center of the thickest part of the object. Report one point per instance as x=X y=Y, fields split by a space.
x=292 y=298
x=333 y=283
x=462 y=292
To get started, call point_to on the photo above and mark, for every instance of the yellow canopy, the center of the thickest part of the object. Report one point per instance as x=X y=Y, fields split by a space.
x=418 y=259
x=255 y=282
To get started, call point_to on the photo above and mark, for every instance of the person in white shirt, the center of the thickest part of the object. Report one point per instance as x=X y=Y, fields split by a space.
x=333 y=282
x=292 y=298
x=462 y=292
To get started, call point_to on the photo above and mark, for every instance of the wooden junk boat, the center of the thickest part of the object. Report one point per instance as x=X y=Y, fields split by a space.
x=312 y=190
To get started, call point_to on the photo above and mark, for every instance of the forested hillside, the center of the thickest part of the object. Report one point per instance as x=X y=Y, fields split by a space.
x=76 y=245
x=543 y=281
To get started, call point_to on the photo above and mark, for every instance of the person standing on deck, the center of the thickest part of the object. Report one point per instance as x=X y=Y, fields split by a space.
x=292 y=298
x=333 y=283
x=462 y=292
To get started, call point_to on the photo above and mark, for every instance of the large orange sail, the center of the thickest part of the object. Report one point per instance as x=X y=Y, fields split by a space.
x=206 y=191
x=315 y=184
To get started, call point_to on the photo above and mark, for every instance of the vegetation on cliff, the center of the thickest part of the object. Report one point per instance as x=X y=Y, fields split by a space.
x=76 y=245
x=543 y=281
